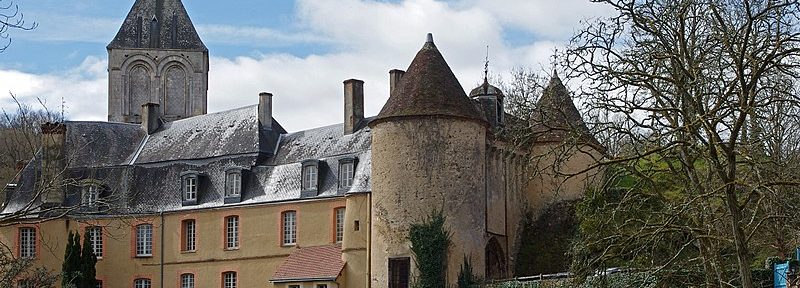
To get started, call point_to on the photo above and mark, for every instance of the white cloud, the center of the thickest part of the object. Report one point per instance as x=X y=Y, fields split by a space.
x=81 y=88
x=368 y=39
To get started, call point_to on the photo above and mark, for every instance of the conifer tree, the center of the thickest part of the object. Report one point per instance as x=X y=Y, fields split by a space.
x=70 y=269
x=87 y=264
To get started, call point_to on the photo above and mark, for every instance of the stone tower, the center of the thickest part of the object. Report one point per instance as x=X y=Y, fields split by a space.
x=491 y=102
x=428 y=151
x=157 y=57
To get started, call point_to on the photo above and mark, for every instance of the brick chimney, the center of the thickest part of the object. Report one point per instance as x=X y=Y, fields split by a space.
x=395 y=75
x=265 y=110
x=353 y=105
x=150 y=117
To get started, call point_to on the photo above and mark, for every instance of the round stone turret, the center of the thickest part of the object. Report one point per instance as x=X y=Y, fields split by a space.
x=428 y=152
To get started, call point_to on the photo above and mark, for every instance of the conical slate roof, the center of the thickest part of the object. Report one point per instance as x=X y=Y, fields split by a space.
x=429 y=88
x=166 y=20
x=557 y=119
x=486 y=89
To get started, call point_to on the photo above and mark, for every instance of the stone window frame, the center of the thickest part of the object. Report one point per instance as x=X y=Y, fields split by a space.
x=229 y=197
x=185 y=177
x=306 y=191
x=346 y=160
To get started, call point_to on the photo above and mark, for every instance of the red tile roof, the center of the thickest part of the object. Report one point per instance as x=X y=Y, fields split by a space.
x=311 y=263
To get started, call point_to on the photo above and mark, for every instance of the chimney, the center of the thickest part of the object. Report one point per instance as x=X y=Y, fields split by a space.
x=265 y=110
x=353 y=105
x=150 y=117
x=52 y=165
x=395 y=75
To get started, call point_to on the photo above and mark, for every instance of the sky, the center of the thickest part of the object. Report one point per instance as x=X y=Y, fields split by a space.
x=300 y=50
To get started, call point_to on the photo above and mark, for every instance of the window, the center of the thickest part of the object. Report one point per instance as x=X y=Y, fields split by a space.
x=346 y=172
x=234 y=184
x=91 y=193
x=27 y=242
x=141 y=283
x=144 y=241
x=229 y=280
x=189 y=235
x=356 y=225
x=190 y=188
x=289 y=227
x=322 y=285
x=310 y=177
x=294 y=286
x=95 y=235
x=398 y=272
x=187 y=280
x=98 y=284
x=339 y=222
x=232 y=232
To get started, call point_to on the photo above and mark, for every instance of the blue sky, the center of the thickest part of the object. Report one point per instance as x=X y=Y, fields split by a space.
x=299 y=50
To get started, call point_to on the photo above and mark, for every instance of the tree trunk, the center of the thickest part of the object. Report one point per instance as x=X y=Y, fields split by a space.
x=742 y=253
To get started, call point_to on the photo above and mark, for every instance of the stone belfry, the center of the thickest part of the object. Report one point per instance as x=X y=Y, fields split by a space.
x=157 y=57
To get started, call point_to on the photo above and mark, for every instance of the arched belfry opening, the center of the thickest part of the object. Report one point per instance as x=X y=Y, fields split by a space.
x=495 y=260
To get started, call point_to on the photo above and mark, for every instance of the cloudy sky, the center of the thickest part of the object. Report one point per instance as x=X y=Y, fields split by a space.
x=301 y=50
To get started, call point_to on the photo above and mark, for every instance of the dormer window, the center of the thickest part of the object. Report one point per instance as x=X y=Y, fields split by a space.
x=190 y=187
x=91 y=193
x=233 y=185
x=347 y=168
x=310 y=178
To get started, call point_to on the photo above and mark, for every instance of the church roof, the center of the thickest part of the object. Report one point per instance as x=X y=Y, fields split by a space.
x=174 y=29
x=429 y=88
x=556 y=118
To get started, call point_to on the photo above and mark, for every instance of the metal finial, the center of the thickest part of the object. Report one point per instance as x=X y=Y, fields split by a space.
x=486 y=66
x=430 y=38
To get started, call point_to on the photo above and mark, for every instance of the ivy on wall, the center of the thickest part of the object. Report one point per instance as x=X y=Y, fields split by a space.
x=429 y=243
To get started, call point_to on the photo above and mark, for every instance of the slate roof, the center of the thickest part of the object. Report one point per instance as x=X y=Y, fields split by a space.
x=141 y=173
x=321 y=263
x=175 y=28
x=429 y=88
x=485 y=89
x=556 y=118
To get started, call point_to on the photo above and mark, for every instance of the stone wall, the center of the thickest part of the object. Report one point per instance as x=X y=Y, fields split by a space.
x=419 y=165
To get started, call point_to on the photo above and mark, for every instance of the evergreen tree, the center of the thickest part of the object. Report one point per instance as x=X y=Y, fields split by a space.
x=87 y=264
x=70 y=269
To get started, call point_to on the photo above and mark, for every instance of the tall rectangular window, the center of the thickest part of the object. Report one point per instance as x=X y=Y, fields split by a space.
x=309 y=177
x=189 y=235
x=289 y=227
x=190 y=188
x=187 y=280
x=234 y=182
x=232 y=232
x=144 y=240
x=229 y=280
x=141 y=283
x=339 y=224
x=399 y=272
x=95 y=235
x=27 y=242
x=346 y=170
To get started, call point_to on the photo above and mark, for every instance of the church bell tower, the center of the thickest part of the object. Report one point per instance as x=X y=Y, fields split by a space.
x=157 y=57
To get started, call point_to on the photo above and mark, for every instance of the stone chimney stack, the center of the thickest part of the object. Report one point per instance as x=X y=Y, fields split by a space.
x=265 y=110
x=53 y=164
x=353 y=105
x=395 y=75
x=150 y=117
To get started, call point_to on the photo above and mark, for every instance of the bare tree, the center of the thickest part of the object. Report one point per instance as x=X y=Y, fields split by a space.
x=695 y=87
x=11 y=19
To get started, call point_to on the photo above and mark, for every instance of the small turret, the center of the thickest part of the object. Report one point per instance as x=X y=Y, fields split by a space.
x=490 y=99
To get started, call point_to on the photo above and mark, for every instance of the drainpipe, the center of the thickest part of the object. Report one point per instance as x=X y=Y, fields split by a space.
x=161 y=260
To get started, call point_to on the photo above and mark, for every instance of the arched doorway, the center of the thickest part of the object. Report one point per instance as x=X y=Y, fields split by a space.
x=495 y=260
